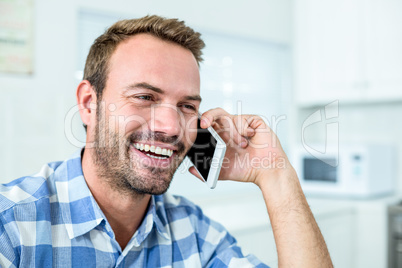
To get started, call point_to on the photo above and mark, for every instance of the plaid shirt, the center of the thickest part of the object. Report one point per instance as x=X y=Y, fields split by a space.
x=52 y=220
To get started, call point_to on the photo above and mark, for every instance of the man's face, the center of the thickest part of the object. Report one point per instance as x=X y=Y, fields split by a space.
x=146 y=120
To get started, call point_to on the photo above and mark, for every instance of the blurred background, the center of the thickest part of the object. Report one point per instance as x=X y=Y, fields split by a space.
x=325 y=75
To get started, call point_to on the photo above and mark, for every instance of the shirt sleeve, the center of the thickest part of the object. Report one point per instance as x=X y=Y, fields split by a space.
x=7 y=254
x=219 y=248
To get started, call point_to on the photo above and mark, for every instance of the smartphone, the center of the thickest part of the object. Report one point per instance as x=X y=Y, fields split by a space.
x=207 y=154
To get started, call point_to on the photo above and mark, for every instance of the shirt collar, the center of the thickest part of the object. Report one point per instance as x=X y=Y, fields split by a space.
x=155 y=217
x=159 y=216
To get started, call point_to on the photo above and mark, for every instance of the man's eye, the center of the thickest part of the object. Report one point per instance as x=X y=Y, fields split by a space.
x=189 y=107
x=145 y=97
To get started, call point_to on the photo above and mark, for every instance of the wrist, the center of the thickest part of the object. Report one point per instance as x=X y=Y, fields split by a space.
x=280 y=180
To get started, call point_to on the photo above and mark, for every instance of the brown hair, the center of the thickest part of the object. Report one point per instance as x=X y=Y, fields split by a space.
x=172 y=30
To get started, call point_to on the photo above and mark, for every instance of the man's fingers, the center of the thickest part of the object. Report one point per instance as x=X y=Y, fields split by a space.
x=211 y=116
x=193 y=171
x=243 y=126
x=227 y=136
x=223 y=123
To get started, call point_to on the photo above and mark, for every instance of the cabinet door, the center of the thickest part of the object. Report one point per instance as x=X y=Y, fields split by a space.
x=327 y=50
x=259 y=242
x=337 y=229
x=384 y=48
x=338 y=232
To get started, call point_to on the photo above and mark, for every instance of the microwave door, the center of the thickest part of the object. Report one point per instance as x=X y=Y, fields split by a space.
x=316 y=170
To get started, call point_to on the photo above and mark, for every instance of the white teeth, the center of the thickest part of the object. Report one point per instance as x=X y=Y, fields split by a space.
x=157 y=157
x=153 y=149
x=158 y=150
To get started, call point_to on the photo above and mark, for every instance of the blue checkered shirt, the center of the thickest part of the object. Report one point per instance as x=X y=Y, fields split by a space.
x=52 y=220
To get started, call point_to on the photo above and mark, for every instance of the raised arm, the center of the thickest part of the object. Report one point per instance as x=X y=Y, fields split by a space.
x=254 y=154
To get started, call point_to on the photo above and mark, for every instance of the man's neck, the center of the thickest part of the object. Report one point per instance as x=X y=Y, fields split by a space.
x=123 y=210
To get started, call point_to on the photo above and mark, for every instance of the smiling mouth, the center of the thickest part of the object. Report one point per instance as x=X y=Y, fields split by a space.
x=154 y=151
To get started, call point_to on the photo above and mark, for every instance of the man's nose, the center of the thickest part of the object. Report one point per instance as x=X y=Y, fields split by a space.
x=166 y=119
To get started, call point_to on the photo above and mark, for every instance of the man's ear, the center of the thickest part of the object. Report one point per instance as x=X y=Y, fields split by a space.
x=86 y=100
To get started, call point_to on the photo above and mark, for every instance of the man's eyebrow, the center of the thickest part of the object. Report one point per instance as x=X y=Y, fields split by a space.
x=145 y=85
x=193 y=98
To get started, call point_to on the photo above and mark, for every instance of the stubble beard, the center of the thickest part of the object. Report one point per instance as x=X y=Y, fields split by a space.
x=122 y=171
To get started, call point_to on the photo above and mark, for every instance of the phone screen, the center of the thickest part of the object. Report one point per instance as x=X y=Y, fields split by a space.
x=202 y=151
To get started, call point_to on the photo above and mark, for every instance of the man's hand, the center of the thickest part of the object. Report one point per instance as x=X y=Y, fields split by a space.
x=254 y=154
x=253 y=150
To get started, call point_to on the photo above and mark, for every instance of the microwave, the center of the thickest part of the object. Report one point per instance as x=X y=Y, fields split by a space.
x=353 y=170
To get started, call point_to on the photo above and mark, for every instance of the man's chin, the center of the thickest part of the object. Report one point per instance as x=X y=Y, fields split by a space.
x=150 y=191
x=154 y=189
x=145 y=181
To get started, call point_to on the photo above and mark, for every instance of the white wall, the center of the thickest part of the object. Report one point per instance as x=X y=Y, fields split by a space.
x=34 y=107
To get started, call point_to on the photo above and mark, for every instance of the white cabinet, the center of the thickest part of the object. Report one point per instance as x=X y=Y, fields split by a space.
x=347 y=50
x=246 y=218
x=338 y=231
x=260 y=242
x=372 y=233
x=355 y=231
x=337 y=228
x=383 y=22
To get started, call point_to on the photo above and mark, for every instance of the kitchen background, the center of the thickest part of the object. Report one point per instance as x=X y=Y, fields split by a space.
x=282 y=59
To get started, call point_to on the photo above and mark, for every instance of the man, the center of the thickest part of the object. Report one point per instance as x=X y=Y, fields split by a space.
x=107 y=207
